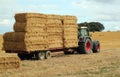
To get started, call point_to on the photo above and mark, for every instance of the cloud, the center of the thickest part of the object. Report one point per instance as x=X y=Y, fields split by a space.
x=5 y=22
x=100 y=9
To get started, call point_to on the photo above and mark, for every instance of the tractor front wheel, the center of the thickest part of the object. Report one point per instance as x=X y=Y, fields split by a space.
x=96 y=46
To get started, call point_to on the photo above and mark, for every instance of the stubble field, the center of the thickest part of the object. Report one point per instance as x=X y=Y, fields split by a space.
x=103 y=64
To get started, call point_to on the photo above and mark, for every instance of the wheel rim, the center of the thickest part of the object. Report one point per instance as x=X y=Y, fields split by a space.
x=48 y=54
x=88 y=46
x=41 y=55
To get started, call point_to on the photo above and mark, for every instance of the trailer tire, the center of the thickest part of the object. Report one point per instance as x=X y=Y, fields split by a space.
x=40 y=55
x=47 y=54
x=96 y=46
x=85 y=47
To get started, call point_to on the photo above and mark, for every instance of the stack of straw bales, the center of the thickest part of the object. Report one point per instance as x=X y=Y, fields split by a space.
x=33 y=31
x=54 y=31
x=70 y=31
x=29 y=33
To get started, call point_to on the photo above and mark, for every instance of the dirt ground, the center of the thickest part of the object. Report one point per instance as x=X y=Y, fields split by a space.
x=103 y=64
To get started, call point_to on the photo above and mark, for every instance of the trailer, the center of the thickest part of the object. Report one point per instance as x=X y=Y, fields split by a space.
x=37 y=35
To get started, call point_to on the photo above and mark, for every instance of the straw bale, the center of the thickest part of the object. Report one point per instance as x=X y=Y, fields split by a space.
x=70 y=22
x=54 y=25
x=54 y=21
x=56 y=45
x=71 y=26
x=71 y=37
x=22 y=46
x=37 y=47
x=23 y=17
x=8 y=36
x=29 y=24
x=54 y=30
x=70 y=29
x=9 y=61
x=54 y=37
x=22 y=36
x=71 y=33
x=56 y=33
x=28 y=27
x=9 y=45
x=69 y=17
x=55 y=40
x=53 y=16
x=71 y=43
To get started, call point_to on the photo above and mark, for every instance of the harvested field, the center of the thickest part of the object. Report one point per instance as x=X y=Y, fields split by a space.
x=107 y=39
x=103 y=64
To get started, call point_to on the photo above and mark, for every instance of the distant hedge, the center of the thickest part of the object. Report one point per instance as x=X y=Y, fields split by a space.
x=93 y=26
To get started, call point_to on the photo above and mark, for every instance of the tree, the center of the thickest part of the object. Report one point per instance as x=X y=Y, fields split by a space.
x=93 y=26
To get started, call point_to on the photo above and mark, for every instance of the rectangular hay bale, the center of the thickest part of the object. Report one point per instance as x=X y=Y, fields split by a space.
x=9 y=61
x=23 y=36
x=29 y=27
x=69 y=17
x=23 y=17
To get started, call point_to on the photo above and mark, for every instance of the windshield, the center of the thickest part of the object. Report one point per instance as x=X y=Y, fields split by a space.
x=83 y=32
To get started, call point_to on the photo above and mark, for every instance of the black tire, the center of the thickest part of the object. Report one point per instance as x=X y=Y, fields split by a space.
x=40 y=55
x=96 y=46
x=85 y=47
x=21 y=56
x=47 y=54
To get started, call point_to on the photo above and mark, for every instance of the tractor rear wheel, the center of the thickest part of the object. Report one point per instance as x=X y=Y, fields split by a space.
x=85 y=47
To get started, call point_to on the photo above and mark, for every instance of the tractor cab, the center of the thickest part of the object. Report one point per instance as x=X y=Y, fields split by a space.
x=83 y=31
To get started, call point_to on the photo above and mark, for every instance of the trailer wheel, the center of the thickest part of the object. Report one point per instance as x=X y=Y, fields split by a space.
x=96 y=46
x=40 y=55
x=47 y=54
x=85 y=47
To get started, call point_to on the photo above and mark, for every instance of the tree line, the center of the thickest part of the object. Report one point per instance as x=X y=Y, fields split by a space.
x=93 y=26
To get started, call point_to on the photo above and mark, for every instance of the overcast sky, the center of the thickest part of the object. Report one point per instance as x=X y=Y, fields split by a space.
x=105 y=11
